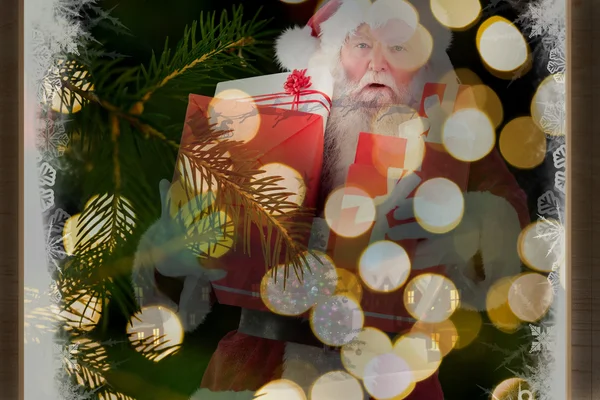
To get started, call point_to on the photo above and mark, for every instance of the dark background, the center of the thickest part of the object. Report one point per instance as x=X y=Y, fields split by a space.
x=463 y=372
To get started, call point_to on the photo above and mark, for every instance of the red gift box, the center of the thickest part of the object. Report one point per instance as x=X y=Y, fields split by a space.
x=380 y=164
x=287 y=137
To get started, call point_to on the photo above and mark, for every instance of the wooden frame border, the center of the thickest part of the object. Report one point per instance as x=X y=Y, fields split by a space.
x=583 y=208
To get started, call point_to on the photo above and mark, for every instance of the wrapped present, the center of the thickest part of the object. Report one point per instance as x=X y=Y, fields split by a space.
x=386 y=164
x=280 y=120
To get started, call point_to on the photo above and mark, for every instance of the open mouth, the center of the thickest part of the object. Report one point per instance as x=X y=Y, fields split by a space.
x=376 y=86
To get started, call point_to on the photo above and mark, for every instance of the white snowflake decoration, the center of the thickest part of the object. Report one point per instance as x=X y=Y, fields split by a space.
x=52 y=139
x=557 y=64
x=541 y=337
x=553 y=121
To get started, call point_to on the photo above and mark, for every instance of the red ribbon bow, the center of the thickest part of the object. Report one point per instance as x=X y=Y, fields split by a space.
x=295 y=83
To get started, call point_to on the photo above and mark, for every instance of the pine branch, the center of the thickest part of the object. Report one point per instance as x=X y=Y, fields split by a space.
x=250 y=201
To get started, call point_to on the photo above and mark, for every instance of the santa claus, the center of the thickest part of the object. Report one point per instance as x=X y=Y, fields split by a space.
x=380 y=54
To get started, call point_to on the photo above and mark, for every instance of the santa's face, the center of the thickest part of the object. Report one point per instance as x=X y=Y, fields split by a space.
x=376 y=67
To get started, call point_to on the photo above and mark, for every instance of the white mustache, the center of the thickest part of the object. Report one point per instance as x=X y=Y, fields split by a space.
x=378 y=78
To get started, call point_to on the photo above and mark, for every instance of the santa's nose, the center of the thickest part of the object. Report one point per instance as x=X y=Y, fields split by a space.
x=378 y=61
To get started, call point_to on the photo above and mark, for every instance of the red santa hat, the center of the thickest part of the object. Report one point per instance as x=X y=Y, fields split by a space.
x=325 y=33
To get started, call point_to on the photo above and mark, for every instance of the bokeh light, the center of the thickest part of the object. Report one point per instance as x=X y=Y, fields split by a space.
x=464 y=75
x=530 y=296
x=443 y=336
x=158 y=328
x=468 y=134
x=419 y=46
x=369 y=343
x=423 y=359
x=485 y=99
x=522 y=143
x=298 y=295
x=81 y=311
x=467 y=322
x=74 y=234
x=221 y=240
x=539 y=253
x=548 y=106
x=348 y=285
x=336 y=385
x=456 y=14
x=280 y=389
x=63 y=97
x=513 y=388
x=501 y=45
x=234 y=110
x=497 y=306
x=292 y=181
x=438 y=205
x=387 y=376
x=195 y=179
x=431 y=298
x=337 y=320
x=384 y=266
x=349 y=211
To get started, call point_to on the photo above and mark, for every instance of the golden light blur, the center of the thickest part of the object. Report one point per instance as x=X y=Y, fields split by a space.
x=485 y=99
x=72 y=234
x=414 y=152
x=336 y=385
x=522 y=143
x=94 y=353
x=294 y=299
x=369 y=343
x=438 y=205
x=431 y=298
x=497 y=306
x=419 y=46
x=292 y=180
x=547 y=106
x=384 y=266
x=443 y=336
x=221 y=224
x=234 y=110
x=464 y=75
x=501 y=45
x=467 y=322
x=348 y=284
x=349 y=211
x=468 y=134
x=538 y=253
x=388 y=376
x=456 y=14
x=530 y=296
x=81 y=311
x=336 y=320
x=280 y=389
x=194 y=178
x=512 y=388
x=416 y=349
x=156 y=326
x=63 y=94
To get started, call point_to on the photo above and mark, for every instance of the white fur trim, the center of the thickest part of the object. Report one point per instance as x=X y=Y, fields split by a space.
x=295 y=47
x=499 y=230
x=205 y=394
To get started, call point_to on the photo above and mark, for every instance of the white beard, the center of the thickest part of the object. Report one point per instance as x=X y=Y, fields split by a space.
x=353 y=113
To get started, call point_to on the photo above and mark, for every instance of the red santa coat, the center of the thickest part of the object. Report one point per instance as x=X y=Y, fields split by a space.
x=242 y=364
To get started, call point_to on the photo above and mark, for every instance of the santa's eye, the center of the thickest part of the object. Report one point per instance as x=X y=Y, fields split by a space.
x=398 y=48
x=362 y=46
